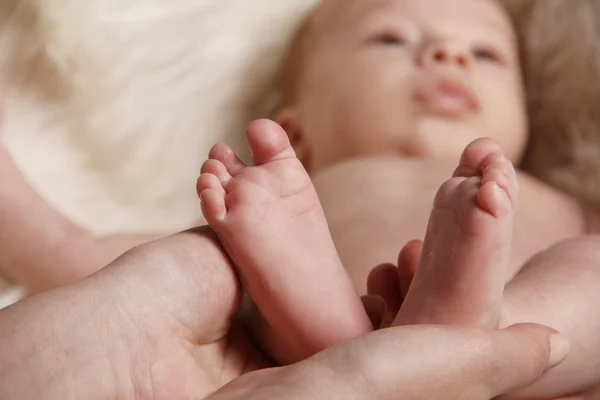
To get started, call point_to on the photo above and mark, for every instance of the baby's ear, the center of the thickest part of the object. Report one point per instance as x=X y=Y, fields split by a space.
x=288 y=120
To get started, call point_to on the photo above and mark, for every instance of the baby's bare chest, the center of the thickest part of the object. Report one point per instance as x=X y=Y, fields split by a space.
x=374 y=209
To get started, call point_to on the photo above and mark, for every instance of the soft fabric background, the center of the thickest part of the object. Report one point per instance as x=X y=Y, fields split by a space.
x=112 y=105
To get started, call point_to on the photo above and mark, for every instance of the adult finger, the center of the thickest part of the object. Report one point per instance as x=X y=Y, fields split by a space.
x=408 y=262
x=524 y=354
x=376 y=309
x=441 y=362
x=383 y=282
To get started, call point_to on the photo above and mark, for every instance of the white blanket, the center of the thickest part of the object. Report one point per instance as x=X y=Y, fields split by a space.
x=112 y=105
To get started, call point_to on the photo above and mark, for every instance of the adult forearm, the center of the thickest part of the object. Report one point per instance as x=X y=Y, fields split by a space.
x=34 y=238
x=50 y=349
x=39 y=247
x=560 y=288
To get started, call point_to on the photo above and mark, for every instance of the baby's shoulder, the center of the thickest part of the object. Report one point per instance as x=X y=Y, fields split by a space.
x=543 y=202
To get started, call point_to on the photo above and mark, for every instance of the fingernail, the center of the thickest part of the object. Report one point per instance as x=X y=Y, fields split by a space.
x=559 y=349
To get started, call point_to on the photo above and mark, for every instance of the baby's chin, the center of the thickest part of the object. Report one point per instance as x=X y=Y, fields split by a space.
x=439 y=137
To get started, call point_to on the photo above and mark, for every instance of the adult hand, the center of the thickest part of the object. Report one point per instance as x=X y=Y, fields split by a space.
x=157 y=324
x=391 y=283
x=432 y=362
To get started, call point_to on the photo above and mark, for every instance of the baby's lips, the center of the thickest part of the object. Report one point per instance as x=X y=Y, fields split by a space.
x=446 y=97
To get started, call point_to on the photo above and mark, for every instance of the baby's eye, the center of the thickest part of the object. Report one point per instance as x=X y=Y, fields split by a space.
x=389 y=39
x=486 y=55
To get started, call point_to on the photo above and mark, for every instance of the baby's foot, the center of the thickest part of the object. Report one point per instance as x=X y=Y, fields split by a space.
x=465 y=256
x=269 y=219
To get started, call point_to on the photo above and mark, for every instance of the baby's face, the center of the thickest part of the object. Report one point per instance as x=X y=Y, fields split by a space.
x=420 y=78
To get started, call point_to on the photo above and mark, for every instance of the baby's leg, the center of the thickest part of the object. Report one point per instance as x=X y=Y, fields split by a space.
x=560 y=288
x=270 y=221
x=465 y=255
x=462 y=272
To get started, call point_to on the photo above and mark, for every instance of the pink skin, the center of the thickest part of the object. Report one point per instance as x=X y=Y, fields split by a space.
x=464 y=260
x=268 y=215
x=270 y=221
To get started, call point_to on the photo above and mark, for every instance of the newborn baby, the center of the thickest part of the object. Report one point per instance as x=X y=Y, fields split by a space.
x=382 y=98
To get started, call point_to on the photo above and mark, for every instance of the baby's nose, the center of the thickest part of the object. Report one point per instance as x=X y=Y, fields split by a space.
x=445 y=53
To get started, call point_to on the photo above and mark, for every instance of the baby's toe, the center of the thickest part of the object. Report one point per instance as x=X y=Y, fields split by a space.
x=494 y=200
x=269 y=142
x=213 y=206
x=208 y=181
x=474 y=155
x=498 y=169
x=218 y=169
x=223 y=153
x=212 y=198
x=447 y=193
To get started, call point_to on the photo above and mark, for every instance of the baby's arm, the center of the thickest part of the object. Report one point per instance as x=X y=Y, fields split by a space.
x=560 y=288
x=40 y=248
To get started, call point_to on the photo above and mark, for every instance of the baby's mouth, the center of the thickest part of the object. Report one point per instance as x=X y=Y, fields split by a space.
x=446 y=97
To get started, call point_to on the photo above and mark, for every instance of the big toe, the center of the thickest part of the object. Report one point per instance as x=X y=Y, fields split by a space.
x=268 y=141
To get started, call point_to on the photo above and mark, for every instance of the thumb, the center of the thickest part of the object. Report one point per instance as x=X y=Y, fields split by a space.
x=413 y=362
x=523 y=354
x=441 y=362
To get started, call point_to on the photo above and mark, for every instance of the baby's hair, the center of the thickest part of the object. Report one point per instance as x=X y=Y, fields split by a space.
x=298 y=53
x=295 y=60
x=560 y=54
